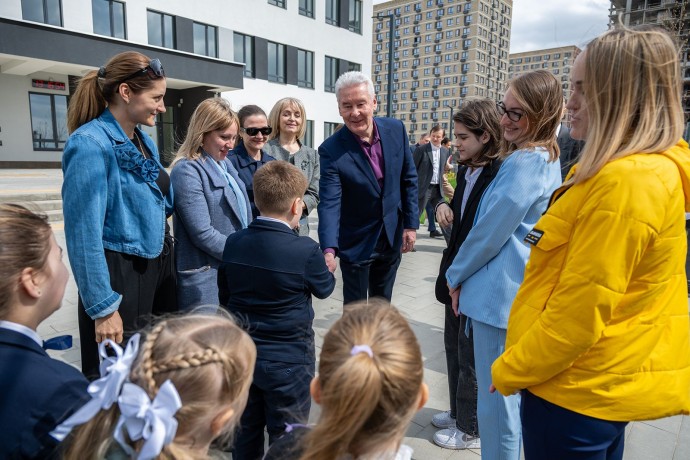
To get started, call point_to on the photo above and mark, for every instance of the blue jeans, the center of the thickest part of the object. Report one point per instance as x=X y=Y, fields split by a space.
x=498 y=415
x=550 y=431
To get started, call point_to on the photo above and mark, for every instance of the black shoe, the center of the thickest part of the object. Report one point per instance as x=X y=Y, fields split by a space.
x=436 y=234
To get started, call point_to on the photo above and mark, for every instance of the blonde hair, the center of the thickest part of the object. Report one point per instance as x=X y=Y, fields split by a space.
x=209 y=359
x=540 y=96
x=366 y=402
x=632 y=90
x=98 y=88
x=24 y=243
x=276 y=185
x=210 y=115
x=274 y=116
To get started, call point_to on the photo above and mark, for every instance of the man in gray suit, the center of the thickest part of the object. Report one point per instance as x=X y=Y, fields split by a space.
x=430 y=160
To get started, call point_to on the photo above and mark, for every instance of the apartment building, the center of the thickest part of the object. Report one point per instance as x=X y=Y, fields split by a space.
x=443 y=52
x=250 y=52
x=558 y=61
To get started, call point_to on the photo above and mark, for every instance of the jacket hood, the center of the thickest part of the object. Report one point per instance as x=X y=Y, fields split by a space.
x=680 y=155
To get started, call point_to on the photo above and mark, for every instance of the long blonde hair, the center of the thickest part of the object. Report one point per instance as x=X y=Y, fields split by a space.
x=366 y=402
x=632 y=87
x=209 y=359
x=540 y=95
x=210 y=115
x=274 y=116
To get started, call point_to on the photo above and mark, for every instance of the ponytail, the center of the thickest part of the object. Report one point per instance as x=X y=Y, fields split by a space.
x=86 y=103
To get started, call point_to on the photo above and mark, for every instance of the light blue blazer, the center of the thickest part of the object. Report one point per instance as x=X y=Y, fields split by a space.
x=206 y=213
x=490 y=264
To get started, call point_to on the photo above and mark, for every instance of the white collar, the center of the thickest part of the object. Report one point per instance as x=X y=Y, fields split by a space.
x=273 y=219
x=24 y=330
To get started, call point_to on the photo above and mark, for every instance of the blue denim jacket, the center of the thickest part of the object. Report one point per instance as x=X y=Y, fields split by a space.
x=110 y=201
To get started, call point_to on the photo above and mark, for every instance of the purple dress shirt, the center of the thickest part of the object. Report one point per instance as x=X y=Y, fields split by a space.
x=374 y=153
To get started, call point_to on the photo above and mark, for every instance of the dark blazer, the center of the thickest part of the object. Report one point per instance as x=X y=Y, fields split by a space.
x=353 y=208
x=570 y=150
x=462 y=227
x=246 y=167
x=36 y=394
x=267 y=279
x=424 y=162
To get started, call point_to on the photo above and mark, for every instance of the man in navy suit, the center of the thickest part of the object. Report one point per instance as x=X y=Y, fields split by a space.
x=368 y=189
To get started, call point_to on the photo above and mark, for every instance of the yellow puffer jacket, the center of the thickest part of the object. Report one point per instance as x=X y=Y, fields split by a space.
x=600 y=324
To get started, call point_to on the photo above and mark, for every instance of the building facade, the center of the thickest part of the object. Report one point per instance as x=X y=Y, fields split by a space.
x=248 y=52
x=556 y=60
x=443 y=52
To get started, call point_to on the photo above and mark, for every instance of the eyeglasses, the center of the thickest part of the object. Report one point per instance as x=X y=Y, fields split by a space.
x=512 y=114
x=153 y=70
x=254 y=131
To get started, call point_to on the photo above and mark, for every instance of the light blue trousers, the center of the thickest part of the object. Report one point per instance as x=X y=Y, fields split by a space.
x=500 y=428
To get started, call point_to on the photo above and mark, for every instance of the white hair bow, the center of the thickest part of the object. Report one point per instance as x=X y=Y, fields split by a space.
x=104 y=391
x=153 y=421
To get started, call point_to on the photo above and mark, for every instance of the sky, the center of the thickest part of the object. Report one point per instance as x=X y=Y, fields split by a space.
x=539 y=24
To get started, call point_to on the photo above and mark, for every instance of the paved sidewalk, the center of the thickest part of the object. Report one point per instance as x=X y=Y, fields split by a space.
x=665 y=439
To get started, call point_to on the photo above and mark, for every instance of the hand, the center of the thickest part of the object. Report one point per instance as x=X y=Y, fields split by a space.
x=444 y=215
x=448 y=166
x=492 y=388
x=409 y=238
x=454 y=299
x=330 y=262
x=109 y=327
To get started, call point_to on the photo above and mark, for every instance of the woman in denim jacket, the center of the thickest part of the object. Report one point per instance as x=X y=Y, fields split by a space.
x=116 y=198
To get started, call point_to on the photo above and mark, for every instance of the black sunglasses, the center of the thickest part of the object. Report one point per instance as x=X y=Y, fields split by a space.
x=512 y=114
x=254 y=131
x=153 y=70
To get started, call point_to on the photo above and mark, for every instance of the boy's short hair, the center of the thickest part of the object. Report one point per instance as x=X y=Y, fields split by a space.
x=276 y=185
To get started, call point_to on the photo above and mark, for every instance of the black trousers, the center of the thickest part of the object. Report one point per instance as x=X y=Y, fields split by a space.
x=147 y=287
x=462 y=377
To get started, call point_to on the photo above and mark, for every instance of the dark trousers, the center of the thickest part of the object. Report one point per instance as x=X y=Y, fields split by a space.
x=147 y=287
x=374 y=277
x=550 y=431
x=430 y=197
x=462 y=377
x=278 y=395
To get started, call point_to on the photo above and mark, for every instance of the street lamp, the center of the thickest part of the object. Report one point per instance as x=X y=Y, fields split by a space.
x=391 y=25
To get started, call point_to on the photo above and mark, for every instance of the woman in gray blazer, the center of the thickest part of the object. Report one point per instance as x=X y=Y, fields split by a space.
x=289 y=122
x=211 y=201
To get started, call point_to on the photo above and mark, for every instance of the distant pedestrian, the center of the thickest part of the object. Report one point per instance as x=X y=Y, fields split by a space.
x=430 y=160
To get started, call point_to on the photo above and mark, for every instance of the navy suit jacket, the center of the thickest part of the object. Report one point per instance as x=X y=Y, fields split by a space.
x=424 y=162
x=353 y=210
x=267 y=278
x=37 y=393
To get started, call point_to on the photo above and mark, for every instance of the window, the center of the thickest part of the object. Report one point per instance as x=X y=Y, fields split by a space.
x=332 y=12
x=308 y=138
x=276 y=62
x=205 y=40
x=351 y=66
x=331 y=74
x=161 y=29
x=306 y=8
x=45 y=11
x=244 y=52
x=48 y=120
x=108 y=18
x=305 y=69
x=354 y=23
x=329 y=128
x=280 y=3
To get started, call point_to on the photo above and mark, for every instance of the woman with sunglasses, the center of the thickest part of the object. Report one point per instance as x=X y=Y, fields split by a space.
x=488 y=268
x=116 y=197
x=249 y=155
x=289 y=121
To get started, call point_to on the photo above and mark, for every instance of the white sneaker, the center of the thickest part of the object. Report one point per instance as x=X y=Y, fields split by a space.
x=443 y=420
x=452 y=438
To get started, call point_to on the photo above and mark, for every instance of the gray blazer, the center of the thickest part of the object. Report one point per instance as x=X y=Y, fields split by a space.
x=424 y=162
x=307 y=160
x=206 y=212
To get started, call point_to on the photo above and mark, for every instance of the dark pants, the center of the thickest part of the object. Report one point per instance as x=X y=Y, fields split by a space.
x=278 y=395
x=374 y=277
x=147 y=287
x=550 y=431
x=462 y=378
x=427 y=201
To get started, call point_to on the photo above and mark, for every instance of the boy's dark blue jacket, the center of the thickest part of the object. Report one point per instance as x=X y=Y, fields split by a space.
x=267 y=279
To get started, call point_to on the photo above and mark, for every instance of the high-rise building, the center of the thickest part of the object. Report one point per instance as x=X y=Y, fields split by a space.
x=558 y=61
x=443 y=52
x=250 y=52
x=674 y=15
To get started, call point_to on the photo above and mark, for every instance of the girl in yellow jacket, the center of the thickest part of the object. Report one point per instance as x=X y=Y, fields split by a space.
x=598 y=334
